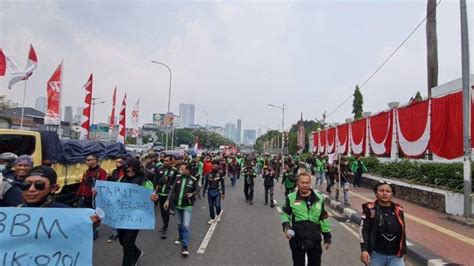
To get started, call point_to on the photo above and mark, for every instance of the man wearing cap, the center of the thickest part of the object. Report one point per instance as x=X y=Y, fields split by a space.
x=22 y=166
x=7 y=160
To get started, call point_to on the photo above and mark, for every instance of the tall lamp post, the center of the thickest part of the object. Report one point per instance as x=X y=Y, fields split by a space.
x=94 y=102
x=283 y=107
x=207 y=119
x=169 y=94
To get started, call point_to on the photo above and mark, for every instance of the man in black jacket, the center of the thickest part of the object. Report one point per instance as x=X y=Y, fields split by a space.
x=164 y=180
x=269 y=177
x=215 y=186
x=249 y=181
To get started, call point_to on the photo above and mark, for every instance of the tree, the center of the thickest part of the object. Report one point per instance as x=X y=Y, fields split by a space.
x=5 y=103
x=431 y=45
x=184 y=136
x=418 y=97
x=357 y=104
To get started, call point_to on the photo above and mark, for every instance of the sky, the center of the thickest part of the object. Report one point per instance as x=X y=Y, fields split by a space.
x=231 y=58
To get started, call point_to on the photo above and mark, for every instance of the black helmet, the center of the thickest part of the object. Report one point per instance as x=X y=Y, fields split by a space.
x=9 y=158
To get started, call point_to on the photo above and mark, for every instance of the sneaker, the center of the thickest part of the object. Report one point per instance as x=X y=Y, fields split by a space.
x=272 y=206
x=161 y=230
x=177 y=242
x=184 y=252
x=163 y=234
x=112 y=238
x=347 y=204
x=251 y=203
x=219 y=218
x=211 y=221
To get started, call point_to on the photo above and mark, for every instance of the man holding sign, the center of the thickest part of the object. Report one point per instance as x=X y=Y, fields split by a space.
x=127 y=207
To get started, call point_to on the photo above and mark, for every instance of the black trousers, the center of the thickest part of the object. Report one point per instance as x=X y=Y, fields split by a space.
x=298 y=254
x=165 y=214
x=248 y=191
x=357 y=179
x=269 y=190
x=131 y=252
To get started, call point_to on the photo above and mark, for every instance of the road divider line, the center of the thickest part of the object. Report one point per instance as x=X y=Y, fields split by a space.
x=349 y=229
x=428 y=224
x=207 y=237
x=279 y=209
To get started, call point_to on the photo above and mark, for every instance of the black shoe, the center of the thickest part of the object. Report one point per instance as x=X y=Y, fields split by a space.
x=272 y=206
x=251 y=203
x=138 y=257
x=163 y=234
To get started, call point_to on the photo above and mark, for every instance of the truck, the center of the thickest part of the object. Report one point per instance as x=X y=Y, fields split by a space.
x=66 y=157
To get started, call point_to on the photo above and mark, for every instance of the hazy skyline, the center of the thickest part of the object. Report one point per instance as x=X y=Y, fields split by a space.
x=230 y=59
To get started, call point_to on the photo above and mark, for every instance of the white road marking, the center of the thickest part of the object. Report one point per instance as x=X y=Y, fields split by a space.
x=410 y=244
x=279 y=209
x=208 y=236
x=350 y=230
x=275 y=202
x=334 y=213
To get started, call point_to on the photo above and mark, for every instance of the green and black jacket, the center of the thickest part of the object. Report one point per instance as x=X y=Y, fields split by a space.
x=164 y=180
x=249 y=175
x=307 y=218
x=181 y=186
x=289 y=179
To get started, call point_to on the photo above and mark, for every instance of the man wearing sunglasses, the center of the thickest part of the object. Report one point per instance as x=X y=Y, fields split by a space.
x=38 y=186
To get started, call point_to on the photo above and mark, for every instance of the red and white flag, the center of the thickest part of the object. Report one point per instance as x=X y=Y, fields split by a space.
x=112 y=114
x=122 y=123
x=15 y=73
x=135 y=119
x=196 y=145
x=86 y=112
x=53 y=90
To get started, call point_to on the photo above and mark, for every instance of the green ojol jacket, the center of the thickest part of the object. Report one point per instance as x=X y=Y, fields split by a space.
x=308 y=222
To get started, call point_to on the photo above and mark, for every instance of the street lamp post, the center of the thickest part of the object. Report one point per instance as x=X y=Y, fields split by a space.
x=283 y=107
x=207 y=119
x=169 y=94
x=94 y=103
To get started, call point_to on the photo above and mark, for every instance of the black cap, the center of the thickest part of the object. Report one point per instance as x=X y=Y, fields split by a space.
x=44 y=171
x=135 y=164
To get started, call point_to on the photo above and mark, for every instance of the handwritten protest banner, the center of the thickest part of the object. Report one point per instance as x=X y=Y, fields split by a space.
x=45 y=236
x=126 y=206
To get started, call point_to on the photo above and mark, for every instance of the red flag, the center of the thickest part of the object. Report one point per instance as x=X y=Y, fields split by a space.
x=112 y=115
x=86 y=112
x=53 y=89
x=122 y=123
x=3 y=64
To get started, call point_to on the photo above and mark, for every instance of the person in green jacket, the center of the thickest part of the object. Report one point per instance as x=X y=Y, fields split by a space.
x=288 y=180
x=304 y=220
x=358 y=168
x=319 y=170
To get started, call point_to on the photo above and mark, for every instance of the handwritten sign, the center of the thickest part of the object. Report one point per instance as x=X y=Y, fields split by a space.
x=45 y=236
x=126 y=206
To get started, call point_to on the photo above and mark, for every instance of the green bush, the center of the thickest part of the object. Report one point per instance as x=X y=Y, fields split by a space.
x=443 y=175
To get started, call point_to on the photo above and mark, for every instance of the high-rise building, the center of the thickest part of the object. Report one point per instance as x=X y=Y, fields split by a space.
x=40 y=104
x=250 y=136
x=239 y=131
x=68 y=117
x=186 y=115
x=259 y=133
x=78 y=116
x=230 y=131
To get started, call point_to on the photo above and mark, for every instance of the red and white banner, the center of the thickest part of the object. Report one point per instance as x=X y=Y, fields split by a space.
x=135 y=118
x=414 y=128
x=15 y=73
x=86 y=112
x=322 y=141
x=357 y=136
x=342 y=138
x=122 y=121
x=53 y=89
x=380 y=136
x=331 y=136
x=112 y=113
x=316 y=142
x=300 y=136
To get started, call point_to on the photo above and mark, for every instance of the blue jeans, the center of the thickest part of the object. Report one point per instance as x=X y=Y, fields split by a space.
x=377 y=259
x=320 y=178
x=214 y=200
x=345 y=188
x=233 y=178
x=184 y=225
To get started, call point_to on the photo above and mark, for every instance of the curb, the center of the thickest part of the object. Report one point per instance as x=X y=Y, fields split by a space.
x=416 y=252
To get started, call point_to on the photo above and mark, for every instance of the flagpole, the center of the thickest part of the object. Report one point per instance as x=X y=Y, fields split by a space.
x=23 y=106
x=60 y=131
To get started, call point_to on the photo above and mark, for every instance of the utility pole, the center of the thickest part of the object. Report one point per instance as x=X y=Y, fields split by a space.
x=466 y=110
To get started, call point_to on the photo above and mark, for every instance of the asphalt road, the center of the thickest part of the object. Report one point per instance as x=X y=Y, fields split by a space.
x=246 y=235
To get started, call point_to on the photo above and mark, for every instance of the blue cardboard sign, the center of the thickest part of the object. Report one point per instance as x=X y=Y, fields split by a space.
x=126 y=206
x=45 y=236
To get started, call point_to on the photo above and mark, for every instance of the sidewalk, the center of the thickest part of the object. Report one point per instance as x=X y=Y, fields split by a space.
x=449 y=241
